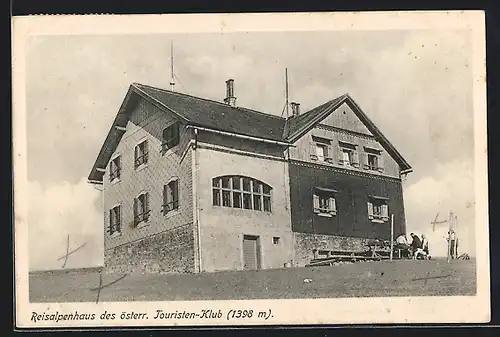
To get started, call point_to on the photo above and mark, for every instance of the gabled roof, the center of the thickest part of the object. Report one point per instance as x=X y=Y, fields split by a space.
x=219 y=116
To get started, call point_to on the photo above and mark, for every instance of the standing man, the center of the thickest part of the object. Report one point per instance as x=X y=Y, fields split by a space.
x=416 y=244
x=453 y=244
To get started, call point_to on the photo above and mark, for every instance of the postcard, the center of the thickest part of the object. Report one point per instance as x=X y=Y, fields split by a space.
x=250 y=169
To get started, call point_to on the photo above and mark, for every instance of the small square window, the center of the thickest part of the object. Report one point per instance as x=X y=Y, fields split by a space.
x=276 y=240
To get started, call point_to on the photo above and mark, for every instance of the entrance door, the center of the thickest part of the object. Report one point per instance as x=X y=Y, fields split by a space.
x=251 y=256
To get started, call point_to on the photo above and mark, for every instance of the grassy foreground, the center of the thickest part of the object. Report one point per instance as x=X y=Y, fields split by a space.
x=362 y=279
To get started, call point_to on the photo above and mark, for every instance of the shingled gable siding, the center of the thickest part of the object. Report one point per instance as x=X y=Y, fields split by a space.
x=353 y=191
x=347 y=128
x=147 y=123
x=222 y=228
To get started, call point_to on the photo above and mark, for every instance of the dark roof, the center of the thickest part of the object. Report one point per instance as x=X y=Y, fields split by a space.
x=210 y=114
x=216 y=115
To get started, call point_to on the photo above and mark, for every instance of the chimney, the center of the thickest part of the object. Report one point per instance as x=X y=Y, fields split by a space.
x=295 y=109
x=230 y=99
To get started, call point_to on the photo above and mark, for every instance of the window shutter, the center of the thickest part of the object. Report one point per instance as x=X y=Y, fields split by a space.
x=380 y=162
x=136 y=212
x=364 y=160
x=312 y=150
x=165 y=198
x=370 y=210
x=385 y=212
x=175 y=194
x=329 y=153
x=110 y=227
x=146 y=155
x=136 y=155
x=355 y=158
x=333 y=206
x=340 y=155
x=146 y=202
x=176 y=134
x=316 y=203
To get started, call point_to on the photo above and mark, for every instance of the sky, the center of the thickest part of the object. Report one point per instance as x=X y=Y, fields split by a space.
x=415 y=85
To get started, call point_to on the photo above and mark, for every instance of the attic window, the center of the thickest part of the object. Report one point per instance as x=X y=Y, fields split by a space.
x=321 y=149
x=170 y=137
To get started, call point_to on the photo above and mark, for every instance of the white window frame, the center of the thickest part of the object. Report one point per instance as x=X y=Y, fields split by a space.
x=145 y=154
x=113 y=232
x=256 y=194
x=144 y=221
x=379 y=203
x=177 y=200
x=324 y=203
x=115 y=179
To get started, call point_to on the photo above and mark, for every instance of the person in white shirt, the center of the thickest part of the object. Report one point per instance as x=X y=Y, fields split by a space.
x=425 y=246
x=402 y=244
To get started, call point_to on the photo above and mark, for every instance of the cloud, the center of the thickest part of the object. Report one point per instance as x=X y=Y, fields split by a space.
x=60 y=210
x=450 y=189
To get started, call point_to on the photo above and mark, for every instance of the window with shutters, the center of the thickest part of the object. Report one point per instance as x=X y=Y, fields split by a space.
x=115 y=169
x=170 y=196
x=141 y=154
x=241 y=192
x=321 y=149
x=373 y=160
x=324 y=203
x=141 y=210
x=348 y=156
x=115 y=223
x=170 y=137
x=378 y=210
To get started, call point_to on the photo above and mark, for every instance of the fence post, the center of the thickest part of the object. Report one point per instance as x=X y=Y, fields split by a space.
x=392 y=237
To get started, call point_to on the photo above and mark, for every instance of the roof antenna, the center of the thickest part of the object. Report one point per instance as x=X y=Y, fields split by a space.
x=286 y=91
x=172 y=80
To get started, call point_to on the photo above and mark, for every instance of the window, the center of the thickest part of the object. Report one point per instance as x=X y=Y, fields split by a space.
x=141 y=209
x=115 y=169
x=373 y=159
x=372 y=162
x=378 y=210
x=324 y=203
x=171 y=196
x=115 y=224
x=320 y=149
x=141 y=154
x=241 y=192
x=347 y=157
x=276 y=240
x=170 y=137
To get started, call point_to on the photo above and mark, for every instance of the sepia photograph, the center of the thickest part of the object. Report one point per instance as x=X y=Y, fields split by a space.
x=250 y=169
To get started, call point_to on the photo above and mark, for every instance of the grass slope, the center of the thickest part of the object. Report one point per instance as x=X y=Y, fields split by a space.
x=362 y=279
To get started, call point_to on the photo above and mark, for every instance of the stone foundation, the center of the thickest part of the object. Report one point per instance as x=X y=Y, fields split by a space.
x=167 y=252
x=305 y=244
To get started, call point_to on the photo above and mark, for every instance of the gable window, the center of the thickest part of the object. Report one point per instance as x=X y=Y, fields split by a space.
x=324 y=203
x=171 y=196
x=141 y=209
x=321 y=149
x=372 y=162
x=115 y=169
x=348 y=155
x=378 y=210
x=115 y=224
x=373 y=159
x=170 y=137
x=141 y=154
x=241 y=192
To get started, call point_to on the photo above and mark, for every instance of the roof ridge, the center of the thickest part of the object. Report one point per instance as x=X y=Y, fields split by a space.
x=207 y=100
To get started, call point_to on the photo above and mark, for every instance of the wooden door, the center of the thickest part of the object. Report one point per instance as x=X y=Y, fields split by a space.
x=251 y=258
